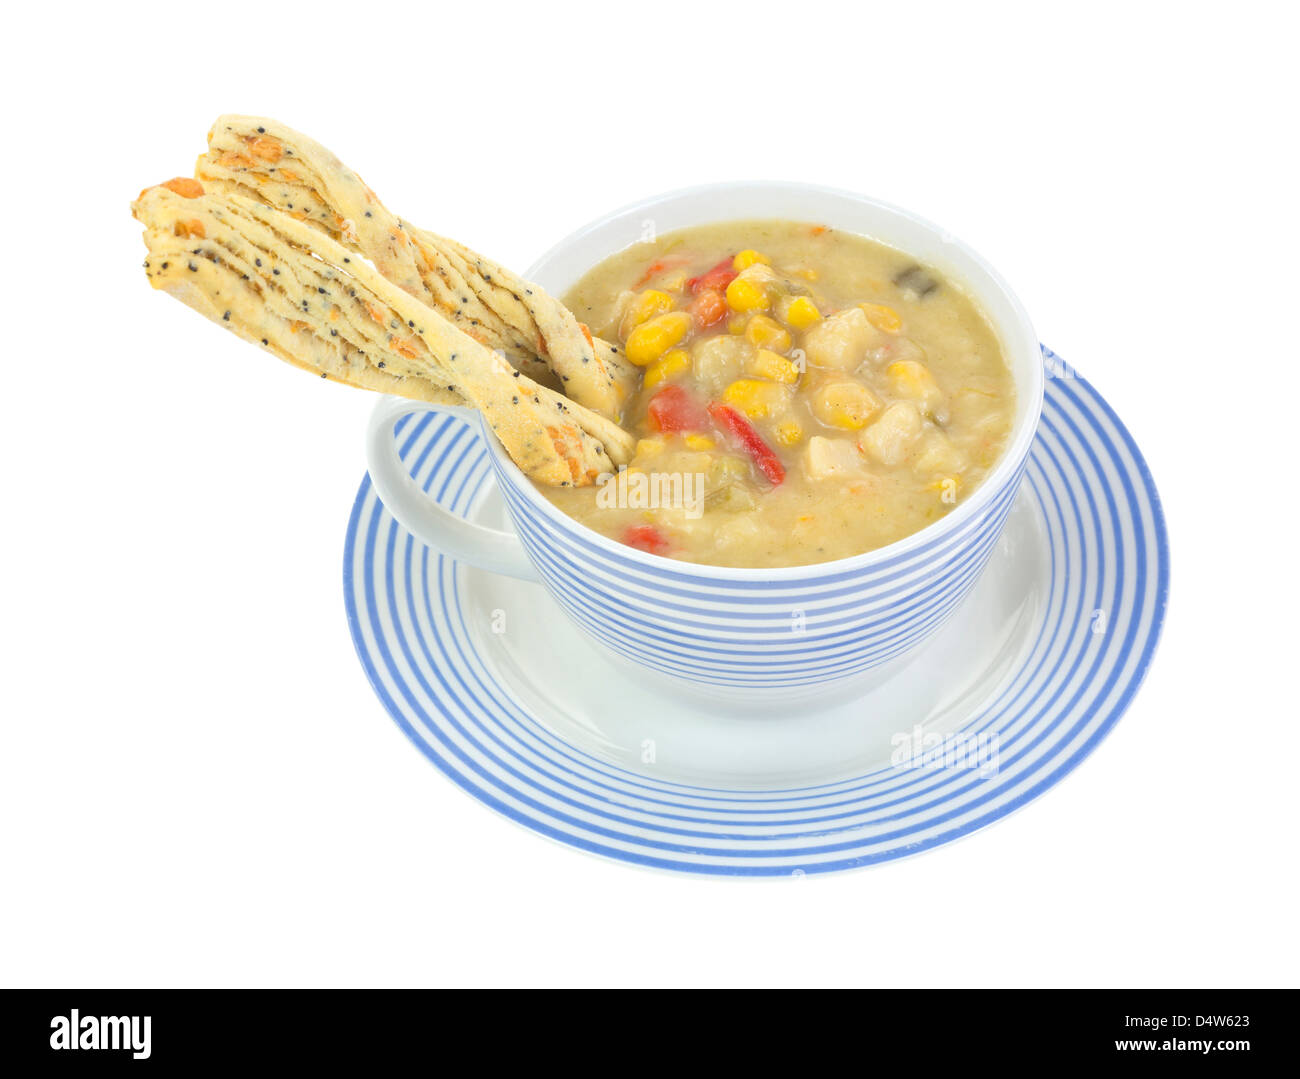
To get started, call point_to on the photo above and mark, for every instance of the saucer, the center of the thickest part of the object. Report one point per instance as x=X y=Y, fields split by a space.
x=494 y=684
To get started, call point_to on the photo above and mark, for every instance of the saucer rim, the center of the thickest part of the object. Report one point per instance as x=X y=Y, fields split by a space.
x=1157 y=543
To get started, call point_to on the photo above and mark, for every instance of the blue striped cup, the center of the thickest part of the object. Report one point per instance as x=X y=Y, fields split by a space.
x=725 y=633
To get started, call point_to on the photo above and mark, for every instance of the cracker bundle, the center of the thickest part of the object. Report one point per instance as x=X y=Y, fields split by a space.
x=281 y=243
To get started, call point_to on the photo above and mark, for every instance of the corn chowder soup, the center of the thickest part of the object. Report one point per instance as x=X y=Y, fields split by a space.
x=806 y=395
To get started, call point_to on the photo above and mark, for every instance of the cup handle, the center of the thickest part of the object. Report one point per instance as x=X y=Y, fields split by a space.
x=487 y=548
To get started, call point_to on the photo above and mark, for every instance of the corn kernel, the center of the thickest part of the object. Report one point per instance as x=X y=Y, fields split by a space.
x=747 y=258
x=744 y=295
x=737 y=323
x=882 y=317
x=699 y=442
x=846 y=405
x=766 y=332
x=671 y=363
x=644 y=307
x=807 y=273
x=788 y=432
x=801 y=313
x=912 y=379
x=648 y=447
x=757 y=399
x=772 y=365
x=650 y=341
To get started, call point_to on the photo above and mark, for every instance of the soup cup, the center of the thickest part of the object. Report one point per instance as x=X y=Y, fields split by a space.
x=760 y=634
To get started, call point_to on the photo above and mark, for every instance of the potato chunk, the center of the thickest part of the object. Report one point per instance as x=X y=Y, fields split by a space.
x=721 y=360
x=841 y=341
x=828 y=458
x=893 y=434
x=936 y=454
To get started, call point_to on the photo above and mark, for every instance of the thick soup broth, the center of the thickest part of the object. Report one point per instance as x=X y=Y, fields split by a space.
x=806 y=395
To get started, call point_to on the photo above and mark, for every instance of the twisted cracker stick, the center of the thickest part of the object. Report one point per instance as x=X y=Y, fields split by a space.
x=310 y=184
x=283 y=168
x=540 y=429
x=251 y=153
x=279 y=282
x=217 y=287
x=552 y=317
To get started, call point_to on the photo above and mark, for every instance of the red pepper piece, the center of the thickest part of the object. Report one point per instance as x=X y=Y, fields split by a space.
x=743 y=432
x=708 y=308
x=645 y=538
x=716 y=279
x=673 y=409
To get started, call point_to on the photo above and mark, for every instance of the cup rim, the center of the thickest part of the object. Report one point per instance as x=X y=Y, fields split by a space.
x=1020 y=331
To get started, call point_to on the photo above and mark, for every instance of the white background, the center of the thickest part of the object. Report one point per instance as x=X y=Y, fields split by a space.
x=197 y=786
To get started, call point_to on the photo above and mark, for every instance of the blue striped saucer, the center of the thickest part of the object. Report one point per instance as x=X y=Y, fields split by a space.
x=495 y=685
